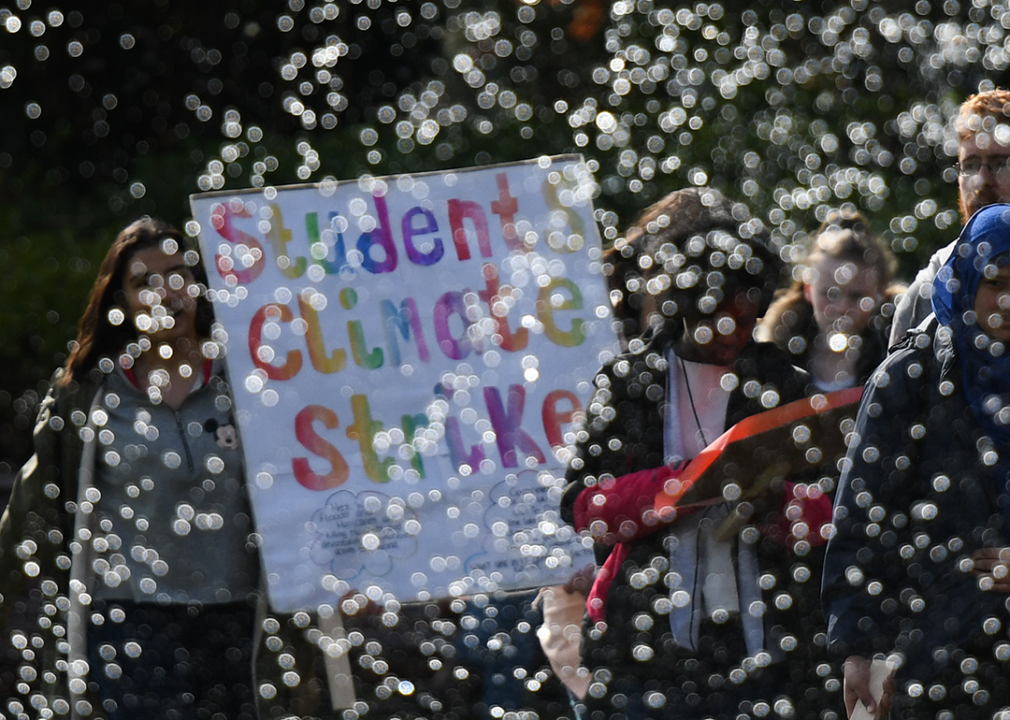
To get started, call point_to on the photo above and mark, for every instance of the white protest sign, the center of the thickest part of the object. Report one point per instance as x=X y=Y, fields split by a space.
x=407 y=357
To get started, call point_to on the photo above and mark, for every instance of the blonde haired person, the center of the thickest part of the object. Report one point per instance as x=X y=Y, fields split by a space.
x=834 y=318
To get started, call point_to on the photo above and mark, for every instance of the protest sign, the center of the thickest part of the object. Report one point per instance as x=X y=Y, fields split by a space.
x=408 y=356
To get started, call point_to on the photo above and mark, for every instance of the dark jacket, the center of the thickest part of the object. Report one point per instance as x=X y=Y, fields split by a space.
x=625 y=421
x=920 y=491
x=37 y=540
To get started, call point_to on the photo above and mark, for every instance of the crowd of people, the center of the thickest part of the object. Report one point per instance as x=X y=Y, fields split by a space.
x=684 y=622
x=142 y=616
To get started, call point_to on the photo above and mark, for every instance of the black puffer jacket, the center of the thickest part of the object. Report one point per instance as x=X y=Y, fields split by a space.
x=922 y=489
x=625 y=422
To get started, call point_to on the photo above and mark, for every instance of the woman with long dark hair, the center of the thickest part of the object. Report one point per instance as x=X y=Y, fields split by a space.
x=132 y=516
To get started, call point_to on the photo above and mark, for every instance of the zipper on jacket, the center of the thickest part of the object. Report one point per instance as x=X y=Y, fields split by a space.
x=185 y=445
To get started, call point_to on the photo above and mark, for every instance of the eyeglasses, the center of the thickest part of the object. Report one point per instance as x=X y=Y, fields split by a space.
x=998 y=168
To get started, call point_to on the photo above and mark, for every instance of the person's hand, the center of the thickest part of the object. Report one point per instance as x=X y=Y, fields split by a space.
x=856 y=687
x=993 y=564
x=581 y=582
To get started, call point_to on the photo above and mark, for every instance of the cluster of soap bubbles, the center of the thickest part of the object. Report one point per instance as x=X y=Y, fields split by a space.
x=781 y=105
x=786 y=106
x=789 y=110
x=797 y=109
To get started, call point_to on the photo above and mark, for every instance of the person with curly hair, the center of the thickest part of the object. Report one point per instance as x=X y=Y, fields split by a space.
x=683 y=623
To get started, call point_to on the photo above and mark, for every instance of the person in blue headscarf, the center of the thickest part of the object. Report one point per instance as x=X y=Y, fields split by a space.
x=917 y=570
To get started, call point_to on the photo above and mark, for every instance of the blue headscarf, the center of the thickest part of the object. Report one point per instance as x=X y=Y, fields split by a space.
x=985 y=364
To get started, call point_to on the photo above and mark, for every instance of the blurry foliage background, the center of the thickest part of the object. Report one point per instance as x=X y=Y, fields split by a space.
x=113 y=111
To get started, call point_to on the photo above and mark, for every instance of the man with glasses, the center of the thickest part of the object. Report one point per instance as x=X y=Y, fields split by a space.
x=983 y=178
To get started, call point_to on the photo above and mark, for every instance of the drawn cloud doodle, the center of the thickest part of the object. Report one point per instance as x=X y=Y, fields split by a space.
x=524 y=534
x=367 y=532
